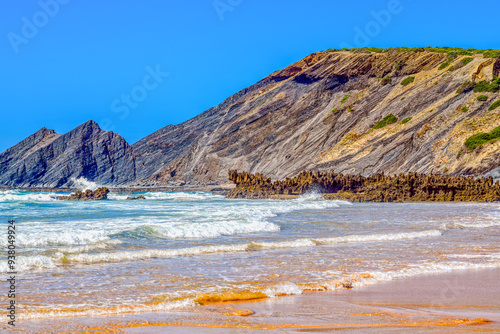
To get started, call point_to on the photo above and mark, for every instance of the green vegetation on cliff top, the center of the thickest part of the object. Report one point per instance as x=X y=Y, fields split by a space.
x=488 y=53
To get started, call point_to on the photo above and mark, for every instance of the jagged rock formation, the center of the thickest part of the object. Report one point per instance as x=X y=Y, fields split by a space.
x=88 y=195
x=316 y=114
x=132 y=198
x=412 y=187
x=46 y=159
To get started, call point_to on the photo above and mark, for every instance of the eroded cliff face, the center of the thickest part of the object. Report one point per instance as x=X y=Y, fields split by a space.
x=411 y=187
x=316 y=114
x=319 y=114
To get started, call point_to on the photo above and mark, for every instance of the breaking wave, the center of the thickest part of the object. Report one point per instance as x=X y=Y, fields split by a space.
x=120 y=256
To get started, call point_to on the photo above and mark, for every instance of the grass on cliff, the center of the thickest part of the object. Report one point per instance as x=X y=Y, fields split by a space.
x=479 y=139
x=407 y=81
x=487 y=86
x=399 y=65
x=386 y=80
x=480 y=87
x=495 y=105
x=487 y=53
x=451 y=57
x=482 y=98
x=406 y=120
x=461 y=64
x=389 y=119
x=345 y=98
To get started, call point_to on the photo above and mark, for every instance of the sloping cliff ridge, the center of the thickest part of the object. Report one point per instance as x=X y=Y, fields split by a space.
x=325 y=112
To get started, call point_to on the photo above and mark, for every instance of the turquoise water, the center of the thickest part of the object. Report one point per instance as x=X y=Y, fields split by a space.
x=118 y=256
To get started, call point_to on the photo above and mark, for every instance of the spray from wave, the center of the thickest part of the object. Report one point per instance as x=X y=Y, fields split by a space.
x=82 y=183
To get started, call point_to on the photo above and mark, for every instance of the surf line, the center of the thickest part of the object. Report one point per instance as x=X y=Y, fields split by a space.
x=11 y=265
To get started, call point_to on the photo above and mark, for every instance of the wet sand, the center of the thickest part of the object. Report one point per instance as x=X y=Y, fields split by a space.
x=455 y=302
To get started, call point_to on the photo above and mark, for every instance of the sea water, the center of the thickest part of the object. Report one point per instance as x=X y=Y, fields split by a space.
x=178 y=249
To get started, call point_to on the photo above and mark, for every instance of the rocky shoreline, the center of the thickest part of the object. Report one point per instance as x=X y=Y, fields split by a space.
x=216 y=189
x=411 y=187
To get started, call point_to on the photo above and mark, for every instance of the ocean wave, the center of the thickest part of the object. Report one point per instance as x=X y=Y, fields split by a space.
x=25 y=196
x=204 y=230
x=84 y=310
x=29 y=263
x=154 y=253
x=357 y=280
x=243 y=247
x=59 y=238
x=458 y=225
x=82 y=184
x=379 y=237
x=168 y=196
x=180 y=195
x=106 y=244
x=312 y=196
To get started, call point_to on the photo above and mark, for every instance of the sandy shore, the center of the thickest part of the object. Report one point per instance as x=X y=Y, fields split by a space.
x=456 y=302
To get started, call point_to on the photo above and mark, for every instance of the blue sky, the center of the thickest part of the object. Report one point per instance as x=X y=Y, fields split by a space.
x=136 y=66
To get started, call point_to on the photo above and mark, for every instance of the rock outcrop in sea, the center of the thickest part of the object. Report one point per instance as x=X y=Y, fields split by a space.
x=87 y=195
x=133 y=198
x=412 y=187
x=346 y=111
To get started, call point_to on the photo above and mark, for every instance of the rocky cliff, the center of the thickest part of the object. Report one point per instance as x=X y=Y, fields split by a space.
x=47 y=159
x=345 y=111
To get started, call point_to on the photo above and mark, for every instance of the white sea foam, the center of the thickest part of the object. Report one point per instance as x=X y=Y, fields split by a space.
x=154 y=253
x=82 y=183
x=379 y=237
x=297 y=243
x=59 y=238
x=463 y=225
x=243 y=247
x=16 y=195
x=212 y=230
x=59 y=311
x=180 y=196
x=312 y=196
x=28 y=263
x=107 y=244
x=283 y=289
x=356 y=280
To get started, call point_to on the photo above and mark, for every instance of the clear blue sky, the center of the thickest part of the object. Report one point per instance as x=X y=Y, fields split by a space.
x=64 y=62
